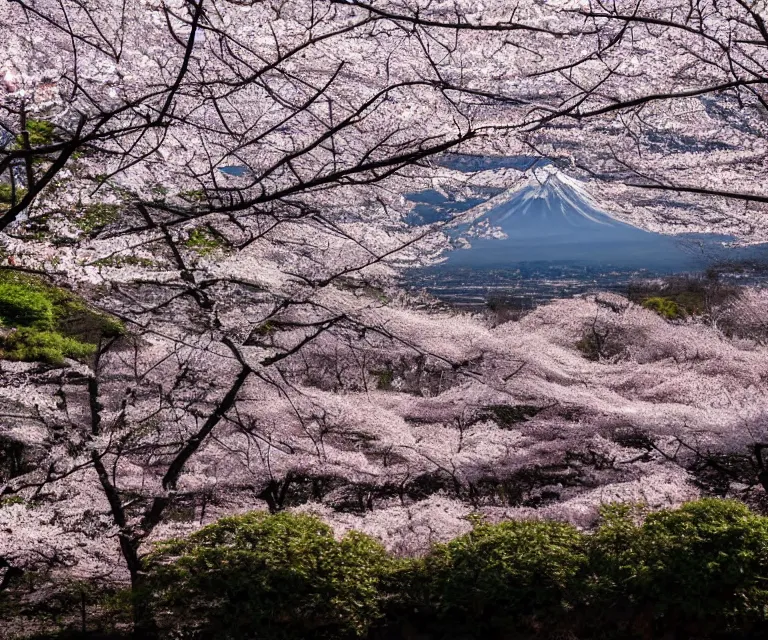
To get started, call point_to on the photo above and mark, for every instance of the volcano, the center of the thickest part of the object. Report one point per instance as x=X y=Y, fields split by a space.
x=555 y=219
x=553 y=238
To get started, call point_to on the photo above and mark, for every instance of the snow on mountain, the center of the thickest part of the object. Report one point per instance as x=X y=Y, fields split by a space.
x=555 y=218
x=549 y=199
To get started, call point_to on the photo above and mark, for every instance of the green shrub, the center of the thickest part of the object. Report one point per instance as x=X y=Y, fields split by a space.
x=266 y=329
x=589 y=345
x=49 y=323
x=268 y=576
x=681 y=296
x=7 y=501
x=6 y=194
x=501 y=577
x=203 y=242
x=598 y=342
x=698 y=569
x=118 y=262
x=40 y=133
x=31 y=345
x=665 y=307
x=97 y=216
x=22 y=305
x=706 y=559
x=193 y=195
x=75 y=318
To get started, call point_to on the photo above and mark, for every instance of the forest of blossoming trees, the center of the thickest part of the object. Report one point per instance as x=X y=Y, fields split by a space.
x=202 y=221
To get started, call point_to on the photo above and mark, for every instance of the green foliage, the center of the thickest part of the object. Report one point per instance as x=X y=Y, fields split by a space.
x=6 y=194
x=505 y=576
x=203 y=242
x=45 y=323
x=32 y=345
x=376 y=293
x=25 y=306
x=701 y=567
x=598 y=342
x=40 y=133
x=590 y=346
x=681 y=296
x=6 y=501
x=268 y=576
x=36 y=227
x=97 y=216
x=699 y=571
x=665 y=307
x=76 y=319
x=118 y=262
x=265 y=329
x=193 y=195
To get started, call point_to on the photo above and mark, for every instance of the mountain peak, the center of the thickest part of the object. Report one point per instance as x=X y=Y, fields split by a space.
x=553 y=217
x=549 y=202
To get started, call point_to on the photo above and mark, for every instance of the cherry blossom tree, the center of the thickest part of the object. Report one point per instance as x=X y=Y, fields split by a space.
x=226 y=179
x=190 y=195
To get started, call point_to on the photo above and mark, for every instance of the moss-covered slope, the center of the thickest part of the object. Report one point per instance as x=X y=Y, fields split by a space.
x=40 y=322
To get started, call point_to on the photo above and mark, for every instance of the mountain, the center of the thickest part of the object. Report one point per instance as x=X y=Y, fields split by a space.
x=555 y=219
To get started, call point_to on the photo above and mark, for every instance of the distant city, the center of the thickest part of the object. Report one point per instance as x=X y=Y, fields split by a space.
x=530 y=284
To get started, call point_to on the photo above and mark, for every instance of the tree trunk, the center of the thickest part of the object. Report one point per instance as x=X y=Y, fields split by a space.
x=144 y=627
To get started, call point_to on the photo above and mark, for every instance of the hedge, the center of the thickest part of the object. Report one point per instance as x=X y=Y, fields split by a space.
x=700 y=571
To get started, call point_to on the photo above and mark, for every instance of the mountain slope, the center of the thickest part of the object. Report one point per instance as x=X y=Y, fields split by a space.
x=554 y=218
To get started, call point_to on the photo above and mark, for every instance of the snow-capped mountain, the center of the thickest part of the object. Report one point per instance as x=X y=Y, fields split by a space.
x=554 y=217
x=551 y=202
